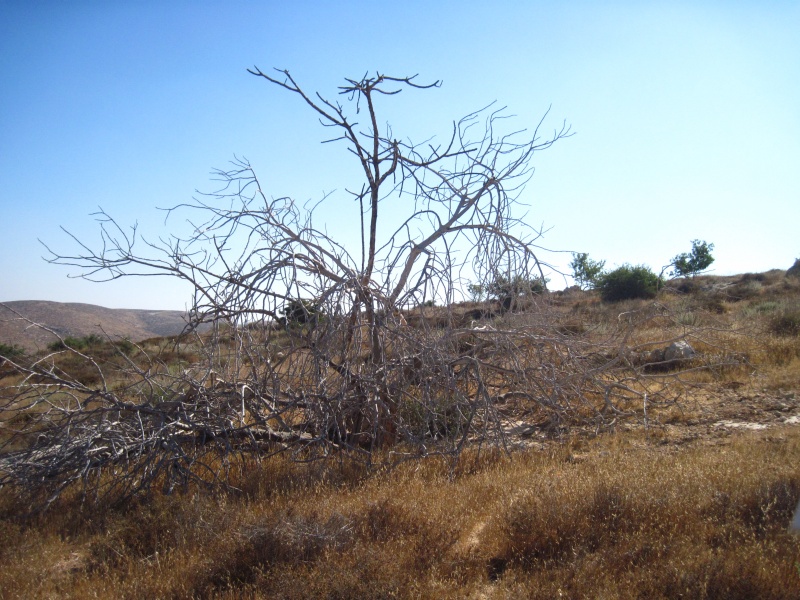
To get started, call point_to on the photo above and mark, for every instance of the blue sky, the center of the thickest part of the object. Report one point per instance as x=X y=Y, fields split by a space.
x=687 y=119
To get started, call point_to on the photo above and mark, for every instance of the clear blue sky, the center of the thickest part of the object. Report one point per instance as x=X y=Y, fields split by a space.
x=687 y=117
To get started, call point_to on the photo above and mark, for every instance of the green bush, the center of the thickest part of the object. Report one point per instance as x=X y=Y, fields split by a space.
x=301 y=312
x=92 y=340
x=124 y=345
x=83 y=343
x=628 y=282
x=67 y=342
x=11 y=351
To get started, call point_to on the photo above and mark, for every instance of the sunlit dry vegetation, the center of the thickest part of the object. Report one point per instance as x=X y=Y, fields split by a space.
x=687 y=491
x=611 y=517
x=335 y=423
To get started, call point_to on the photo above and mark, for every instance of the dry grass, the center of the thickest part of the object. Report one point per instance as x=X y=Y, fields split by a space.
x=615 y=517
x=689 y=507
x=700 y=523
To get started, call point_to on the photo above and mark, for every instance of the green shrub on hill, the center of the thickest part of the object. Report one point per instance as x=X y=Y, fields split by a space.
x=83 y=343
x=11 y=351
x=125 y=345
x=628 y=282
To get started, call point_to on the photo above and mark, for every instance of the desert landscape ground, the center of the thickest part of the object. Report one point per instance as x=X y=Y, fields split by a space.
x=684 y=493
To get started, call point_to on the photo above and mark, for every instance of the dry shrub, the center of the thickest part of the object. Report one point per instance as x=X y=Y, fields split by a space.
x=713 y=303
x=571 y=327
x=779 y=351
x=746 y=289
x=280 y=542
x=77 y=367
x=786 y=324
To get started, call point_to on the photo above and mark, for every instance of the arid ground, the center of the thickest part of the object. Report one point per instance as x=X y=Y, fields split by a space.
x=685 y=499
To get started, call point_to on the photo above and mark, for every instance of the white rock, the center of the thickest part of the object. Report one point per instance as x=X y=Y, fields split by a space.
x=679 y=350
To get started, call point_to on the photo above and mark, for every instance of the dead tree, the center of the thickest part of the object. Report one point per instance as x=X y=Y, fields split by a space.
x=461 y=195
x=310 y=350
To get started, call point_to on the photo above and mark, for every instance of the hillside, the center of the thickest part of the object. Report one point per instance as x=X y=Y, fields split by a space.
x=74 y=319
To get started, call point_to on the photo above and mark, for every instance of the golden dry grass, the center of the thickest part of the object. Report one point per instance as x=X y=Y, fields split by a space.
x=695 y=506
x=614 y=517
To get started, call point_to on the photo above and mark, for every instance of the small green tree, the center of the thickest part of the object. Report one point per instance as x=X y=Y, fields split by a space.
x=628 y=282
x=694 y=262
x=476 y=291
x=586 y=271
x=508 y=289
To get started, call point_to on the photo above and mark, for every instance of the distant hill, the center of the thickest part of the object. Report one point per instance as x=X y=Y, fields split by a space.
x=73 y=319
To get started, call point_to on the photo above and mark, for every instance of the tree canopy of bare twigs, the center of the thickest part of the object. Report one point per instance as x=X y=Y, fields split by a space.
x=318 y=347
